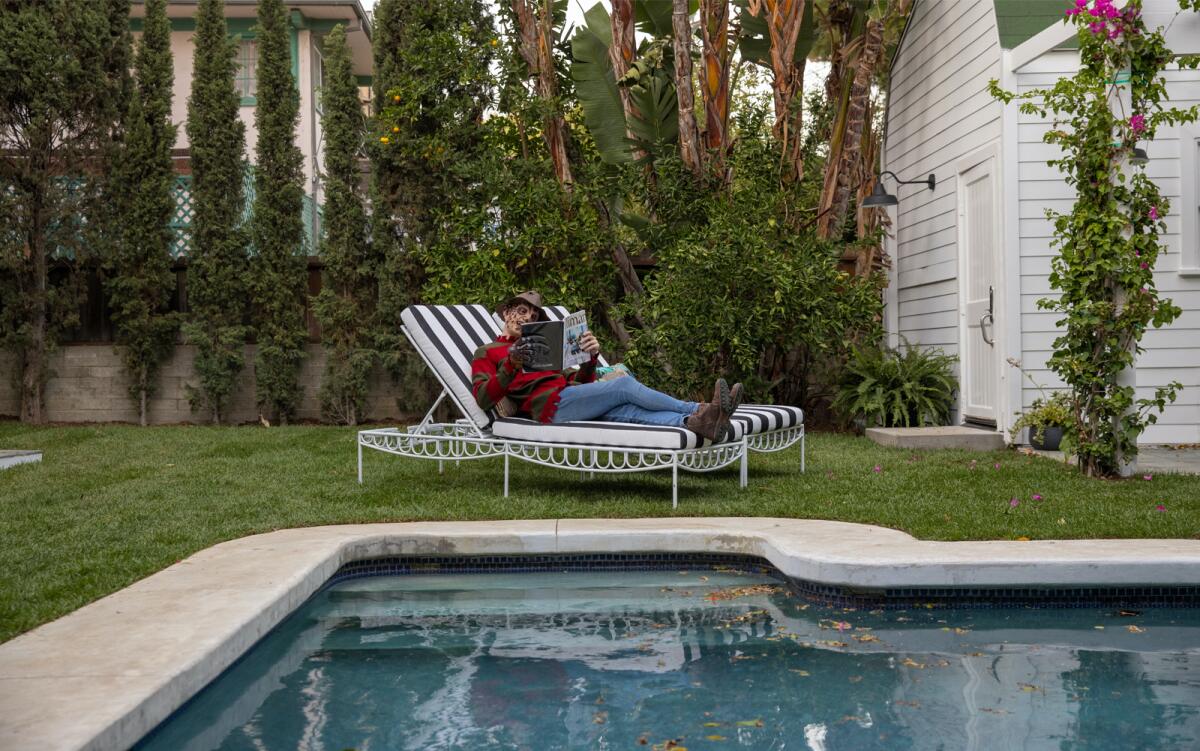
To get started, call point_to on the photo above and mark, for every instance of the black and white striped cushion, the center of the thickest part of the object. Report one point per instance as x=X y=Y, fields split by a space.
x=615 y=434
x=448 y=335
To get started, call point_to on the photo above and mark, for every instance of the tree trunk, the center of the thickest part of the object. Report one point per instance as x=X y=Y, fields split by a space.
x=536 y=40
x=835 y=194
x=689 y=135
x=142 y=406
x=714 y=86
x=620 y=54
x=33 y=373
x=784 y=18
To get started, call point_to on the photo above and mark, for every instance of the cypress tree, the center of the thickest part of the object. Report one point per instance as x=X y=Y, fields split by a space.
x=139 y=271
x=344 y=306
x=57 y=82
x=217 y=260
x=279 y=266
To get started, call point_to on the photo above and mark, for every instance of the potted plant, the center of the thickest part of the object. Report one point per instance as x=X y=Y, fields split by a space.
x=1045 y=418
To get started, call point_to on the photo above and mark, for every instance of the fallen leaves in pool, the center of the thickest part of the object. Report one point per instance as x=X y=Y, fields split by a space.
x=733 y=593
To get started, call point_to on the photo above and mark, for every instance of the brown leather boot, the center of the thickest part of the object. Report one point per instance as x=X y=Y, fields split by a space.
x=735 y=400
x=709 y=421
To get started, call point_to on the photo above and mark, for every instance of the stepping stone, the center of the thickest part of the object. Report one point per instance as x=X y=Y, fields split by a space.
x=942 y=437
x=11 y=458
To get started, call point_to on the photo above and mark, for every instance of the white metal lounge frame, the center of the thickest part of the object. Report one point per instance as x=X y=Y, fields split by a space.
x=464 y=440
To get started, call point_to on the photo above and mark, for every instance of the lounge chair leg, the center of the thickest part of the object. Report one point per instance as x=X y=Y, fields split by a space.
x=675 y=481
x=802 y=453
x=506 y=471
x=745 y=477
x=360 y=462
x=440 y=469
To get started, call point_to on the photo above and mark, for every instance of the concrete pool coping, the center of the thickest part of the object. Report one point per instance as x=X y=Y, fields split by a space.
x=104 y=675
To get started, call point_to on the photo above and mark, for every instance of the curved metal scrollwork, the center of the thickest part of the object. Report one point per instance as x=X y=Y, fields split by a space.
x=432 y=441
x=776 y=440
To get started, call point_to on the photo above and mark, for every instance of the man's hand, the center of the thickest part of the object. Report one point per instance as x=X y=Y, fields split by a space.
x=521 y=351
x=588 y=344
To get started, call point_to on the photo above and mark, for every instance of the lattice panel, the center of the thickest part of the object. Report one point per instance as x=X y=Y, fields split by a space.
x=181 y=219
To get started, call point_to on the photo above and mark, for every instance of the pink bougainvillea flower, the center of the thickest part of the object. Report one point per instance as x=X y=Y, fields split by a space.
x=1153 y=213
x=1160 y=507
x=996 y=465
x=1036 y=497
x=1137 y=123
x=1147 y=477
x=1143 y=265
x=1013 y=503
x=877 y=468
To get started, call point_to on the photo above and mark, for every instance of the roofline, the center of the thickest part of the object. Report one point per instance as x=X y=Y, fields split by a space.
x=1046 y=40
x=363 y=19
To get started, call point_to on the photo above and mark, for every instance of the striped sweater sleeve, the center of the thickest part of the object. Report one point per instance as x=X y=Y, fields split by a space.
x=491 y=374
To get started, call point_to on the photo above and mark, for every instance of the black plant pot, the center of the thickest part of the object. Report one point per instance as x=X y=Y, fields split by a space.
x=1051 y=438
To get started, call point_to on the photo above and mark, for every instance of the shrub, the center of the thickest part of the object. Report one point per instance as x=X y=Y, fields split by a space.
x=896 y=388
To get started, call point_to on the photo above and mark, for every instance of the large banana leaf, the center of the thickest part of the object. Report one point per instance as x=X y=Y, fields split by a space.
x=653 y=17
x=596 y=86
x=755 y=41
x=651 y=90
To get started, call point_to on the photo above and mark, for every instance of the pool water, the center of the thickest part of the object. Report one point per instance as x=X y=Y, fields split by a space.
x=700 y=659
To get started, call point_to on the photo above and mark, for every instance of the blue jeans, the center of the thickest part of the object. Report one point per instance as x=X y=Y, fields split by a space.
x=621 y=400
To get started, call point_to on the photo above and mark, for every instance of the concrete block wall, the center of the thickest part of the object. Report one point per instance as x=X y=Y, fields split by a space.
x=89 y=385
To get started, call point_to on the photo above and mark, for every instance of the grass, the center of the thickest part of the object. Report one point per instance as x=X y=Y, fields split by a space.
x=110 y=504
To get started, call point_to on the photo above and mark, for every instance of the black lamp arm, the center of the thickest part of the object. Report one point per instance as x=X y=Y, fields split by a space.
x=931 y=181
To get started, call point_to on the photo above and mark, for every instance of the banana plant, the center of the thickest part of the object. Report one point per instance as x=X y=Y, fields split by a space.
x=653 y=120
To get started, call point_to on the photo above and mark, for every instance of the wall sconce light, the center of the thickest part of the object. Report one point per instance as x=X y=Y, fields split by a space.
x=1138 y=156
x=880 y=197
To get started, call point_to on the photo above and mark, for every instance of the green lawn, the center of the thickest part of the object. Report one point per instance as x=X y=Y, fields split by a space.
x=110 y=505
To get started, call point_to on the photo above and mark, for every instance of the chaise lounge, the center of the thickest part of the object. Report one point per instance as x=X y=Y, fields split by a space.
x=446 y=337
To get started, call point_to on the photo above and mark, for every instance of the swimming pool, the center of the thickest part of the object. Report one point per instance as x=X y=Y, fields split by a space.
x=697 y=657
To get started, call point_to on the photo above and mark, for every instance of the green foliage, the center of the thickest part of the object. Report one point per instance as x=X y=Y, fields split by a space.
x=432 y=85
x=896 y=388
x=344 y=306
x=1053 y=411
x=217 y=261
x=1109 y=242
x=58 y=83
x=138 y=278
x=518 y=230
x=278 y=269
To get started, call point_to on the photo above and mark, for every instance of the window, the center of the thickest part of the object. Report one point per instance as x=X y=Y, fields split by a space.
x=246 y=78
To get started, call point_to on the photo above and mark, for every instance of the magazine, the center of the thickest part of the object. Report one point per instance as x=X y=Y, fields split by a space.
x=556 y=343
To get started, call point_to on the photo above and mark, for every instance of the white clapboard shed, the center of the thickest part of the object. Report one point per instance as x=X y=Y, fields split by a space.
x=979 y=241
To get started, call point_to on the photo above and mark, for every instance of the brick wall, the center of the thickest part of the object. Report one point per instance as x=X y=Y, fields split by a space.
x=89 y=385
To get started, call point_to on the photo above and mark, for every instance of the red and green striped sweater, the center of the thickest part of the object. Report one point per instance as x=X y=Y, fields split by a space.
x=494 y=377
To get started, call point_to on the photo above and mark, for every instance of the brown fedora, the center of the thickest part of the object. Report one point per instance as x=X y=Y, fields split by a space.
x=531 y=297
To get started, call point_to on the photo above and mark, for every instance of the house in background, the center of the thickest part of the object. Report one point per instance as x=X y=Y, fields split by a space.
x=310 y=21
x=971 y=258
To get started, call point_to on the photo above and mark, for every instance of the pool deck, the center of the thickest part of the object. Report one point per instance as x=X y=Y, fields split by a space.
x=103 y=676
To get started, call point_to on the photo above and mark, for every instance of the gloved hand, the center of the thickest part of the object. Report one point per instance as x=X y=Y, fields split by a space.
x=521 y=351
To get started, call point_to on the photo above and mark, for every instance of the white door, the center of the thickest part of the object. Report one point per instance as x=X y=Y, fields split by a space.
x=979 y=236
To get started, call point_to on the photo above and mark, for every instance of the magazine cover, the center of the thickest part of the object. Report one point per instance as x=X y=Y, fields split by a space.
x=574 y=327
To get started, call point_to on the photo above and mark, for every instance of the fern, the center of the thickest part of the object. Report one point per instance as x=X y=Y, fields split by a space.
x=897 y=388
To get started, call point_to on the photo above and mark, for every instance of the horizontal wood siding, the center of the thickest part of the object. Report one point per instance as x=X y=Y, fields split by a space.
x=1172 y=353
x=939 y=111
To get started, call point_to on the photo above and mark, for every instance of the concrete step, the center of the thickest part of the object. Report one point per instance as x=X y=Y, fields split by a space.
x=11 y=458
x=942 y=437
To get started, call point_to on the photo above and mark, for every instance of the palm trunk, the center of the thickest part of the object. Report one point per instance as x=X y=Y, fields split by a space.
x=620 y=54
x=536 y=32
x=714 y=89
x=784 y=18
x=836 y=191
x=33 y=369
x=689 y=135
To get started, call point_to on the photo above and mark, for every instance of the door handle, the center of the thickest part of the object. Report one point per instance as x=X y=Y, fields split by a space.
x=988 y=317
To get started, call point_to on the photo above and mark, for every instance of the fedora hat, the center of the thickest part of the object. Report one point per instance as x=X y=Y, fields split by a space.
x=532 y=298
